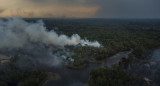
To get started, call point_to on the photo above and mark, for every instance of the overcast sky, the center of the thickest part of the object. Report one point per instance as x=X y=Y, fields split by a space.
x=81 y=8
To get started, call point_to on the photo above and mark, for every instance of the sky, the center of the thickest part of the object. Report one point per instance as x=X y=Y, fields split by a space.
x=81 y=8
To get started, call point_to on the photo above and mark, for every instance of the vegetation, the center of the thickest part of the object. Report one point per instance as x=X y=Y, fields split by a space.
x=114 y=77
x=18 y=73
x=22 y=78
x=157 y=77
x=114 y=35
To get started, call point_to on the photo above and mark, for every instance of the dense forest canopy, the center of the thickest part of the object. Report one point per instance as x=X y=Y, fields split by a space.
x=115 y=36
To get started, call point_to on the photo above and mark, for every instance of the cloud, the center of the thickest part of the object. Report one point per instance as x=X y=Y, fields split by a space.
x=52 y=11
x=128 y=8
x=64 y=2
x=1 y=11
x=49 y=8
x=85 y=8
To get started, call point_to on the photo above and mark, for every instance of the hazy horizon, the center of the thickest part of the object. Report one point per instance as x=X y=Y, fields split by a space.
x=115 y=9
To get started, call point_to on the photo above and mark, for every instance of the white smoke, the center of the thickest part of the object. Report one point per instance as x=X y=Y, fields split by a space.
x=17 y=33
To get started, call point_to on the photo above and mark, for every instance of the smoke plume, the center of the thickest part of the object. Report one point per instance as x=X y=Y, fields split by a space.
x=17 y=33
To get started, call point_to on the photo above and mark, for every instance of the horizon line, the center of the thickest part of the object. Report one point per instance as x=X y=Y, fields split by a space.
x=74 y=18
